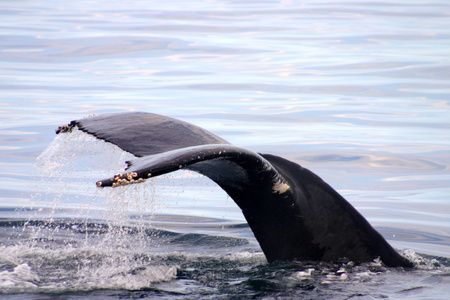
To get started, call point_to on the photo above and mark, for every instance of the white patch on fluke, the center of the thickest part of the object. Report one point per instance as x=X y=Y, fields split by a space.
x=280 y=187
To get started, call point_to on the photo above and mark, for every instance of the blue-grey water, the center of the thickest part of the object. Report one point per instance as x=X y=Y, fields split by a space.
x=356 y=91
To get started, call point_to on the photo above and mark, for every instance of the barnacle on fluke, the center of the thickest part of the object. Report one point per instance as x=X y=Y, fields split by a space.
x=66 y=128
x=122 y=179
x=69 y=127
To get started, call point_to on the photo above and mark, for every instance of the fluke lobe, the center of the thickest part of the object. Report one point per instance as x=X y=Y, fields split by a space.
x=292 y=212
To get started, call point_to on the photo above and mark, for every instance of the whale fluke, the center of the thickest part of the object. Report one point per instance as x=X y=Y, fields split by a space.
x=143 y=134
x=292 y=212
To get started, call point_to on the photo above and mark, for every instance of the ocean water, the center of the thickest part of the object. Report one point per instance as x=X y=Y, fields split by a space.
x=356 y=91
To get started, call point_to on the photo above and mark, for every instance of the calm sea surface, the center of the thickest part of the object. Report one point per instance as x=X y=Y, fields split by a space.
x=356 y=91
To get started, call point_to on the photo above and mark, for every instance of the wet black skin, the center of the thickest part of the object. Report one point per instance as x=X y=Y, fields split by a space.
x=292 y=212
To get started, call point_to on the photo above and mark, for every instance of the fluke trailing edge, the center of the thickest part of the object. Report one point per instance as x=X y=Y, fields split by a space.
x=293 y=213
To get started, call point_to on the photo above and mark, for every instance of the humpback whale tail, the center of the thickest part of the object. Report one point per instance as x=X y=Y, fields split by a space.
x=292 y=212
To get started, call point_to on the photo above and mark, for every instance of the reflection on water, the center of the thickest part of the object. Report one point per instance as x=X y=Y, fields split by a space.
x=355 y=91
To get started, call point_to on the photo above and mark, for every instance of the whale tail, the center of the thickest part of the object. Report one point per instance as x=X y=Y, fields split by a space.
x=293 y=213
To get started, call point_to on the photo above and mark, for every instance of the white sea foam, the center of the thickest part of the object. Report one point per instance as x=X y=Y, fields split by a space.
x=21 y=274
x=300 y=275
x=22 y=278
x=37 y=269
x=421 y=262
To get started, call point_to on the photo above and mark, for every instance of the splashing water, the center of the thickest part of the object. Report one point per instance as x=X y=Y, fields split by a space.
x=67 y=250
x=82 y=238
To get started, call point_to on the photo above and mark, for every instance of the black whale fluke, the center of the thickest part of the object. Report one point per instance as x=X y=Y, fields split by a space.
x=293 y=213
